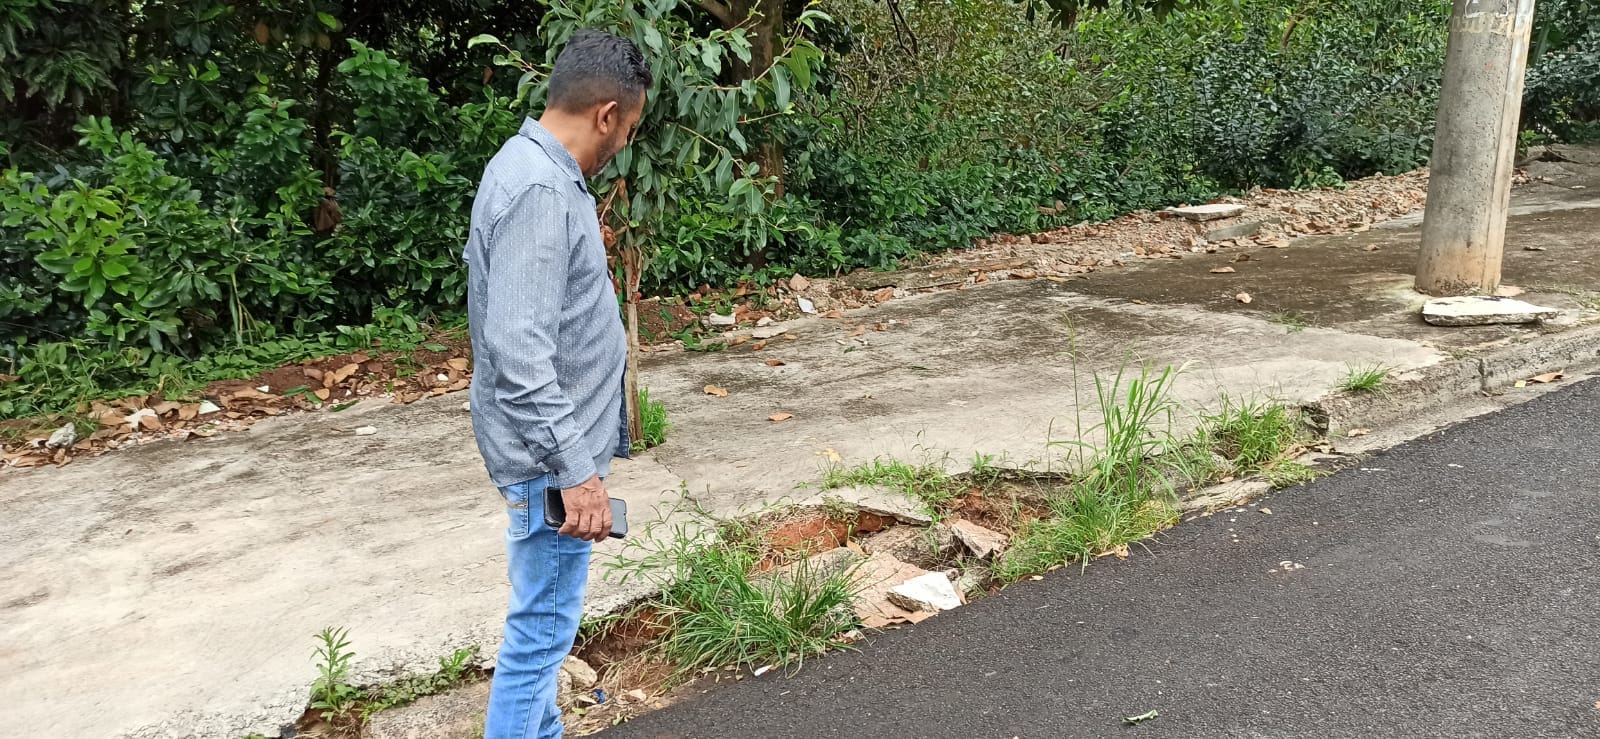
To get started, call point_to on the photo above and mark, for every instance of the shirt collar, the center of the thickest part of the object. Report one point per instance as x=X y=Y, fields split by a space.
x=554 y=149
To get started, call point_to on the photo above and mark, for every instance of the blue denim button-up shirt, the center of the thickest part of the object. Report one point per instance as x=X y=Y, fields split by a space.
x=547 y=341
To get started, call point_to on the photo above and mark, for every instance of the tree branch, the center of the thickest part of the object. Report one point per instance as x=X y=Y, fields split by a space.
x=720 y=11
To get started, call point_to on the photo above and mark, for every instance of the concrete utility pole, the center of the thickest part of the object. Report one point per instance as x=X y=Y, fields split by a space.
x=1474 y=147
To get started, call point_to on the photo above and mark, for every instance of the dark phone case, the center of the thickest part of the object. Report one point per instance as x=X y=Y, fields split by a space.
x=555 y=513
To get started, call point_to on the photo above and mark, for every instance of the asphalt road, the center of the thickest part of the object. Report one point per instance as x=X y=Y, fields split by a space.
x=1446 y=588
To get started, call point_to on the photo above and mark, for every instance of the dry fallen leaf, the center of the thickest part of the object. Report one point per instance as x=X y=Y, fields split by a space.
x=780 y=417
x=458 y=364
x=1243 y=298
x=1370 y=247
x=1357 y=433
x=1548 y=378
x=1267 y=511
x=1223 y=271
x=859 y=330
x=831 y=455
x=774 y=362
x=717 y=391
x=737 y=340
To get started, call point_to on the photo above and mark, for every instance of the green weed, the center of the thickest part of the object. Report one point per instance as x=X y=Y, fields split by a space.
x=457 y=669
x=1368 y=379
x=719 y=610
x=331 y=693
x=1086 y=523
x=1252 y=436
x=927 y=483
x=1121 y=493
x=653 y=422
x=1293 y=320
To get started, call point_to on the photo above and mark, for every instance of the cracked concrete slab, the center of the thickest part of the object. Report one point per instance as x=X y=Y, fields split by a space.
x=173 y=590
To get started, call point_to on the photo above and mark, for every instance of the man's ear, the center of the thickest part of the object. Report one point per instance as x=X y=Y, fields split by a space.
x=608 y=117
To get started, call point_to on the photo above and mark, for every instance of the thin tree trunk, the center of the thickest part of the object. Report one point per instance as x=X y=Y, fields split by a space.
x=631 y=262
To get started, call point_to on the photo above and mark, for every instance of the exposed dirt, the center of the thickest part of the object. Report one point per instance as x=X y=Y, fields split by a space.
x=660 y=320
x=796 y=540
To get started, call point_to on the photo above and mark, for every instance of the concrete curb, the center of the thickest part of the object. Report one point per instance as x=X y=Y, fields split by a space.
x=1573 y=350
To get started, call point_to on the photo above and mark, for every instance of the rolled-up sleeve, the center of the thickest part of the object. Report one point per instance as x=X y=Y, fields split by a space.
x=530 y=252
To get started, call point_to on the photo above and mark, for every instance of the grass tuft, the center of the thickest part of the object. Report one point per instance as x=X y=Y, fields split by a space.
x=1367 y=379
x=1293 y=320
x=927 y=483
x=1121 y=494
x=1252 y=436
x=718 y=609
x=653 y=422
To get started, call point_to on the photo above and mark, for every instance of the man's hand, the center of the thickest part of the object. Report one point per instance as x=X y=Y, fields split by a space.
x=588 y=511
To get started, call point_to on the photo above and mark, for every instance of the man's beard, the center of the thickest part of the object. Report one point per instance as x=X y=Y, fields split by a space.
x=606 y=155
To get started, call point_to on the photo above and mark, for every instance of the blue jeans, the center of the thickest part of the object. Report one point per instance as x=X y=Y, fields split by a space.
x=548 y=574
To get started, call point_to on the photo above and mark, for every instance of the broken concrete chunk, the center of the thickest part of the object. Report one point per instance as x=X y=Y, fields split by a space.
x=207 y=407
x=366 y=431
x=929 y=593
x=768 y=332
x=1236 y=231
x=718 y=319
x=884 y=502
x=63 y=437
x=981 y=542
x=876 y=576
x=136 y=418
x=583 y=676
x=970 y=582
x=1211 y=212
x=1542 y=170
x=1483 y=310
x=923 y=547
x=1574 y=153
x=1226 y=495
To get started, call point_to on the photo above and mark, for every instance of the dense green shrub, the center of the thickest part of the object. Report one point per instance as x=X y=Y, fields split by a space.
x=1562 y=93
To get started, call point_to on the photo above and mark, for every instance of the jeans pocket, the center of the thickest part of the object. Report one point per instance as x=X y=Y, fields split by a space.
x=518 y=504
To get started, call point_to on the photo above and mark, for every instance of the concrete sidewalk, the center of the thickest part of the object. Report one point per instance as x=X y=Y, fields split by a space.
x=174 y=589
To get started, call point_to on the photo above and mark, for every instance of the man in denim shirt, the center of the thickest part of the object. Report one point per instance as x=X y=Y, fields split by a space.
x=547 y=400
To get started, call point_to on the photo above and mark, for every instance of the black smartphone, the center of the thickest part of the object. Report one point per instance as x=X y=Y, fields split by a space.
x=555 y=513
